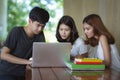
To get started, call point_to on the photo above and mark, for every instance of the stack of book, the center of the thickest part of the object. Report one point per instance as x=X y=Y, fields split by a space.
x=86 y=64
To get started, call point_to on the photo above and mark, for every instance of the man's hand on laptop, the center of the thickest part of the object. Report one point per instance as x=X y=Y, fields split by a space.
x=30 y=61
x=28 y=66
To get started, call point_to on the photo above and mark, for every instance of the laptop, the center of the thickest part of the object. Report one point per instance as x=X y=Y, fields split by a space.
x=50 y=54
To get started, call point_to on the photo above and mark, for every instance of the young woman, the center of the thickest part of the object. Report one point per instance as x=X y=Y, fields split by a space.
x=67 y=32
x=101 y=42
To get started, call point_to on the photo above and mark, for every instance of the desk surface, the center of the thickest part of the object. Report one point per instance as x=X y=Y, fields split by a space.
x=66 y=74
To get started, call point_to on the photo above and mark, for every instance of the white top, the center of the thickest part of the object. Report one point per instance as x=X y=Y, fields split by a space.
x=79 y=47
x=114 y=55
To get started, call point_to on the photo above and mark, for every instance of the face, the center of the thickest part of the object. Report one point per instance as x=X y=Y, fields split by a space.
x=88 y=30
x=36 y=27
x=64 y=31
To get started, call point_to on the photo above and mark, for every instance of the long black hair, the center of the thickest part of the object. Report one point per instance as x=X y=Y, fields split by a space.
x=67 y=20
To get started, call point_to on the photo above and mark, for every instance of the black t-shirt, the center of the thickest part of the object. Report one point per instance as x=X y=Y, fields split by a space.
x=21 y=46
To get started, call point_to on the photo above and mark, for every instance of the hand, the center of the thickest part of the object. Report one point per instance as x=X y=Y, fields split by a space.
x=72 y=58
x=85 y=55
x=30 y=62
x=28 y=67
x=79 y=56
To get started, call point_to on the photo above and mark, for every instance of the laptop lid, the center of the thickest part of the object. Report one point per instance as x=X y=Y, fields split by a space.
x=50 y=54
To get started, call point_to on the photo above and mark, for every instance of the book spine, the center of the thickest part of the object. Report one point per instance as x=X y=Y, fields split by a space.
x=87 y=62
x=91 y=60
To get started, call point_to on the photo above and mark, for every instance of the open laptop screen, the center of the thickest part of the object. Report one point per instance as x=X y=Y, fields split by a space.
x=50 y=54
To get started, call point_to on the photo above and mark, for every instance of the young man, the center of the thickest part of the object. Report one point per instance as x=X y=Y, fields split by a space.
x=17 y=48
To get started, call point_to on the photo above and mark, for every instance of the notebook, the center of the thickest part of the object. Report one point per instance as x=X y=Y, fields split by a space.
x=50 y=54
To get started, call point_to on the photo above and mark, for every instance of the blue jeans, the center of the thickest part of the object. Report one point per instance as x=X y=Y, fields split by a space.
x=10 y=77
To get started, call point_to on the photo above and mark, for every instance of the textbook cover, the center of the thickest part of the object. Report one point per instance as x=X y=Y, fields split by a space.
x=74 y=66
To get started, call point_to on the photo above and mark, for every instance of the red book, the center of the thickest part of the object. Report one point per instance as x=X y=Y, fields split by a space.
x=87 y=62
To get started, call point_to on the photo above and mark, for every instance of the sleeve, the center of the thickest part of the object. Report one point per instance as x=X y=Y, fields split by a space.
x=82 y=47
x=12 y=39
x=79 y=47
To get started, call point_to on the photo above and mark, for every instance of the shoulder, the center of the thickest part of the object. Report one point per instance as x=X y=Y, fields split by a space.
x=102 y=38
x=79 y=40
x=16 y=29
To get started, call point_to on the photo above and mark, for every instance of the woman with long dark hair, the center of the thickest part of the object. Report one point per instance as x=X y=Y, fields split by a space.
x=67 y=32
x=101 y=42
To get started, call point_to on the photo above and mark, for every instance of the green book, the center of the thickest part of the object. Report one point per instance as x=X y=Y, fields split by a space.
x=73 y=66
x=87 y=73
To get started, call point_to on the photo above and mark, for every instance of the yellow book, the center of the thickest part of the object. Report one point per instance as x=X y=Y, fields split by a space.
x=88 y=60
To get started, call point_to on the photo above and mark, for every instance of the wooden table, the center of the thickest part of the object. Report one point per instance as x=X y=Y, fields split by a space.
x=49 y=74
x=66 y=74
